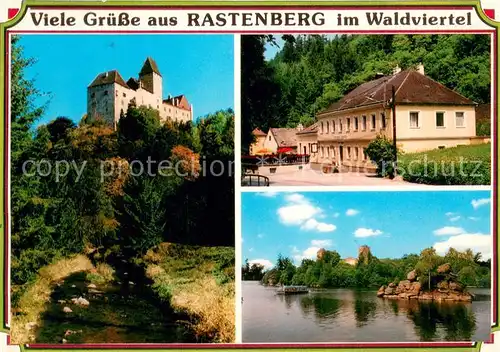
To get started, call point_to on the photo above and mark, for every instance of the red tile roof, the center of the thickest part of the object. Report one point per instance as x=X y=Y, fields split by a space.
x=258 y=132
x=411 y=87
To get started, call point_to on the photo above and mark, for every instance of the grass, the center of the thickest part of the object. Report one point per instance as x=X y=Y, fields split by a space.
x=461 y=165
x=34 y=300
x=200 y=282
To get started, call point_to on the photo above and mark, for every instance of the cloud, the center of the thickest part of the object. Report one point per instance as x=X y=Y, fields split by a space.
x=313 y=224
x=297 y=214
x=477 y=242
x=308 y=253
x=267 y=264
x=352 y=212
x=321 y=243
x=449 y=214
x=476 y=203
x=364 y=232
x=449 y=231
x=268 y=194
x=455 y=218
x=473 y=218
x=300 y=212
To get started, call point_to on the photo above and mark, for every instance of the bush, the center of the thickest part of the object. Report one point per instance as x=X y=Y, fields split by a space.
x=462 y=165
x=382 y=152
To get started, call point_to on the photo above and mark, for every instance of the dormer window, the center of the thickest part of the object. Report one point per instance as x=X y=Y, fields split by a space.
x=105 y=92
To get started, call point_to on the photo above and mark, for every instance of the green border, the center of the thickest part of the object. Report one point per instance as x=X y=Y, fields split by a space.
x=206 y=3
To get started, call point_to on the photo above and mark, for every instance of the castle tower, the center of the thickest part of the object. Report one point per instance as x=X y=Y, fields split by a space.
x=151 y=80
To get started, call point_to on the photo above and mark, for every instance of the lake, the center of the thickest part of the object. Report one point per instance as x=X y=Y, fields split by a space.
x=349 y=315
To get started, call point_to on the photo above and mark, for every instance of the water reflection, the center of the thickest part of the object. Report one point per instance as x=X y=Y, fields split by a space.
x=343 y=315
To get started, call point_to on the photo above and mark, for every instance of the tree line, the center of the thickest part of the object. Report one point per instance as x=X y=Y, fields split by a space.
x=310 y=72
x=328 y=270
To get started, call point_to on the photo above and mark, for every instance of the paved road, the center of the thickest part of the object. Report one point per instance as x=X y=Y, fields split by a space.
x=308 y=177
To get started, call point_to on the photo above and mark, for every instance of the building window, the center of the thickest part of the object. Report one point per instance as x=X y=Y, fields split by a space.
x=340 y=126
x=124 y=95
x=327 y=127
x=460 y=119
x=348 y=152
x=327 y=152
x=374 y=121
x=382 y=120
x=363 y=123
x=92 y=95
x=362 y=153
x=105 y=92
x=355 y=124
x=333 y=126
x=439 y=119
x=116 y=94
x=322 y=127
x=414 y=122
x=348 y=124
x=157 y=106
x=333 y=151
x=269 y=138
x=322 y=151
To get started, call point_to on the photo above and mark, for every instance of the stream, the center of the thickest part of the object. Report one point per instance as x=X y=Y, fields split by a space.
x=124 y=311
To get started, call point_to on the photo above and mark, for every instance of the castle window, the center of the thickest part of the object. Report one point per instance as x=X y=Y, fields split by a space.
x=124 y=95
x=116 y=93
x=157 y=106
x=93 y=95
x=105 y=92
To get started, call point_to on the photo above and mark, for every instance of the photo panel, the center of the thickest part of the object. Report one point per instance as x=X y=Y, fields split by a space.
x=122 y=205
x=368 y=110
x=367 y=267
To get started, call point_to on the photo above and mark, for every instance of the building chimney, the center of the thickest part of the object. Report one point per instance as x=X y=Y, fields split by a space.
x=396 y=70
x=420 y=69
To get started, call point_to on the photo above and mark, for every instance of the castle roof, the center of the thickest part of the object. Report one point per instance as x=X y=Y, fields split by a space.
x=109 y=77
x=180 y=101
x=149 y=66
x=411 y=87
x=132 y=83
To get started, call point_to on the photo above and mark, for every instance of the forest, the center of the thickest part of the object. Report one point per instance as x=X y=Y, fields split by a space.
x=310 y=72
x=329 y=271
x=106 y=206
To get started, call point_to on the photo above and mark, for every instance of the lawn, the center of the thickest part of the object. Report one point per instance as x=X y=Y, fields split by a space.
x=198 y=281
x=461 y=165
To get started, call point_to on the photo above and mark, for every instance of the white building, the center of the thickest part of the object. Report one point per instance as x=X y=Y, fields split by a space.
x=108 y=95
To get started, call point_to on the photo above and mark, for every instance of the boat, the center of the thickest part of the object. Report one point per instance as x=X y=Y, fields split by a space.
x=292 y=290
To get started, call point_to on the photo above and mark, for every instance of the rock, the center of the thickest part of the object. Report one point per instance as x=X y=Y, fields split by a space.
x=444 y=269
x=392 y=284
x=455 y=286
x=381 y=291
x=416 y=287
x=405 y=285
x=73 y=286
x=31 y=325
x=91 y=286
x=443 y=285
x=412 y=276
x=80 y=301
x=67 y=310
x=390 y=291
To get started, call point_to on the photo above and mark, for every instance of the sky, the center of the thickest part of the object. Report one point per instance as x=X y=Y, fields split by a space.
x=393 y=224
x=199 y=66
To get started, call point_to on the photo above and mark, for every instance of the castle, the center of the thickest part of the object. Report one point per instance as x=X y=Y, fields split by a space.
x=108 y=95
